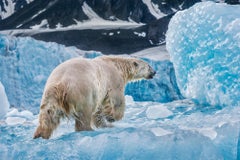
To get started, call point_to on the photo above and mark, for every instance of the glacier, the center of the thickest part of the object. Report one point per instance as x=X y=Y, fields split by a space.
x=168 y=117
x=204 y=46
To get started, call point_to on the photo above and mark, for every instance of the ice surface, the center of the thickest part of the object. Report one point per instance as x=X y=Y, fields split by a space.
x=4 y=104
x=189 y=132
x=158 y=111
x=15 y=120
x=204 y=45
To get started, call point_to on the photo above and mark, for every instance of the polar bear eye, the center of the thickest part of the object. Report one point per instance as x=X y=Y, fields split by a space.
x=49 y=111
x=135 y=64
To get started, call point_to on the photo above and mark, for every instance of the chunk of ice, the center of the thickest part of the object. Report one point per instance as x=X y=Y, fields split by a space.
x=204 y=46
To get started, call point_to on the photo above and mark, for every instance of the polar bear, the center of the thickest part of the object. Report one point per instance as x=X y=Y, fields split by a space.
x=89 y=90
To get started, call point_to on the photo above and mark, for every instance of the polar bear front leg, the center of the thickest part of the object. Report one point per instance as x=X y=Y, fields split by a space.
x=108 y=113
x=98 y=119
x=114 y=110
x=82 y=122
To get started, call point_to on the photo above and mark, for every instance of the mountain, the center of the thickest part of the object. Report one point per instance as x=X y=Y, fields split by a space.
x=8 y=7
x=109 y=26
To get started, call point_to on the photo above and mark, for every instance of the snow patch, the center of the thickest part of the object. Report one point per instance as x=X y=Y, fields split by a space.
x=142 y=34
x=129 y=100
x=15 y=120
x=34 y=16
x=208 y=132
x=160 y=132
x=15 y=113
x=9 y=6
x=111 y=34
x=43 y=24
x=89 y=12
x=154 y=9
x=158 y=53
x=158 y=111
x=58 y=26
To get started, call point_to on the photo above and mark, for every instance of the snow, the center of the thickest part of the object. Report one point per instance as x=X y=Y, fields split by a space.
x=89 y=12
x=4 y=104
x=160 y=132
x=9 y=7
x=154 y=9
x=94 y=22
x=15 y=113
x=205 y=52
x=44 y=23
x=39 y=12
x=111 y=34
x=158 y=111
x=142 y=34
x=15 y=120
x=158 y=53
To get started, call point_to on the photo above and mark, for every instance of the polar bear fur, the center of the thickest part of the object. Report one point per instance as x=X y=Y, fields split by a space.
x=89 y=90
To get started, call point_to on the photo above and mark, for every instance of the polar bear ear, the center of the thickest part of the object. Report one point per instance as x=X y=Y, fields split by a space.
x=135 y=64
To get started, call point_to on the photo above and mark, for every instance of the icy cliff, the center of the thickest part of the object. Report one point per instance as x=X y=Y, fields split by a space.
x=25 y=65
x=204 y=45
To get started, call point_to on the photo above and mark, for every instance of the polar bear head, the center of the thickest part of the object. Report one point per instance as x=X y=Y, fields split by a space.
x=49 y=119
x=131 y=68
x=142 y=70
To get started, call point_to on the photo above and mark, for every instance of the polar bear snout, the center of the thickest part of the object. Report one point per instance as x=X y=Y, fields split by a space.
x=151 y=73
x=41 y=132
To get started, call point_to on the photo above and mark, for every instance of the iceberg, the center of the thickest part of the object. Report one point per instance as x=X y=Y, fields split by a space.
x=4 y=104
x=204 y=46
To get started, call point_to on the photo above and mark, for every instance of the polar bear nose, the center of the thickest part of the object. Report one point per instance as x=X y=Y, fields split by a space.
x=154 y=72
x=151 y=73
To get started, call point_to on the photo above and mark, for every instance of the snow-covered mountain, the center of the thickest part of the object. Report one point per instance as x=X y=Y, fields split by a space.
x=8 y=7
x=58 y=11
x=109 y=26
x=65 y=13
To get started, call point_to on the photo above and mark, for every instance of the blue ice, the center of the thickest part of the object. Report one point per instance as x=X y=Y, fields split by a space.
x=204 y=46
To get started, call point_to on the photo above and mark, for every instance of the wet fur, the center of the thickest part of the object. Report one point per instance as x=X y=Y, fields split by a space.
x=94 y=107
